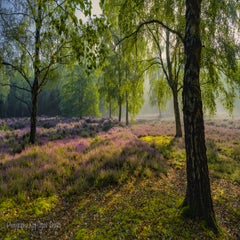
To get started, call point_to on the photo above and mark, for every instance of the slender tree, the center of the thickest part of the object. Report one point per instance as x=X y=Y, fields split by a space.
x=37 y=37
x=123 y=71
x=171 y=67
x=198 y=202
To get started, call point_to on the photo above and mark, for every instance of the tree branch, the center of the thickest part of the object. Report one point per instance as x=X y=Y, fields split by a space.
x=26 y=103
x=54 y=9
x=181 y=86
x=18 y=70
x=45 y=79
x=160 y=55
x=152 y=22
x=149 y=66
x=148 y=60
x=15 y=86
x=17 y=13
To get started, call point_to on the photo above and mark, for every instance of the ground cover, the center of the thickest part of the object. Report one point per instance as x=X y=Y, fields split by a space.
x=113 y=182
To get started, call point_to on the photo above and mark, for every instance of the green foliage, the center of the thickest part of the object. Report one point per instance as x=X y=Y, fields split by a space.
x=134 y=89
x=19 y=99
x=159 y=91
x=220 y=63
x=4 y=82
x=42 y=205
x=122 y=81
x=17 y=234
x=44 y=35
x=223 y=160
x=78 y=93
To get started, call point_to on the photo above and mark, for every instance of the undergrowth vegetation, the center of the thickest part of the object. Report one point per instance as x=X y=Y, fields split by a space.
x=119 y=184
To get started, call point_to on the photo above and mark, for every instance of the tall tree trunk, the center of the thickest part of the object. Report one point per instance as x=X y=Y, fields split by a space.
x=119 y=110
x=127 y=119
x=110 y=109
x=174 y=85
x=36 y=65
x=198 y=200
x=33 y=120
x=177 y=114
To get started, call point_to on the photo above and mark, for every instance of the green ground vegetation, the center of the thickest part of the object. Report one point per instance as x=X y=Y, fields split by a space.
x=115 y=185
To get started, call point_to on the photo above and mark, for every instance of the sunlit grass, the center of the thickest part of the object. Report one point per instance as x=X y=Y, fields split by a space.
x=223 y=160
x=148 y=209
x=168 y=146
x=13 y=208
x=158 y=140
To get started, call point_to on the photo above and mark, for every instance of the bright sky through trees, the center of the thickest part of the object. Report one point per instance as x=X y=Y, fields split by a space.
x=96 y=10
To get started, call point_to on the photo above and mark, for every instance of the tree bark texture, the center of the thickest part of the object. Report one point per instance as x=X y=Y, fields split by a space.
x=198 y=200
x=33 y=120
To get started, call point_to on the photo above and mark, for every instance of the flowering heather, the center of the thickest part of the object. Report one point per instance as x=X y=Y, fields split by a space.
x=92 y=176
x=163 y=127
x=15 y=131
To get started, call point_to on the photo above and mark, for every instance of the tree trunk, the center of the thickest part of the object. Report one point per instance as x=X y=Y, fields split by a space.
x=174 y=85
x=120 y=111
x=33 y=127
x=198 y=200
x=110 y=109
x=127 y=120
x=36 y=65
x=177 y=114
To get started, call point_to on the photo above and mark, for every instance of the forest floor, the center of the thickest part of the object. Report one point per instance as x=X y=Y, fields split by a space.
x=96 y=179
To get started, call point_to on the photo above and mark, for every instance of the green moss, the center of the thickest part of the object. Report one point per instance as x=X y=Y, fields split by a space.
x=227 y=151
x=21 y=206
x=7 y=204
x=82 y=234
x=18 y=234
x=41 y=205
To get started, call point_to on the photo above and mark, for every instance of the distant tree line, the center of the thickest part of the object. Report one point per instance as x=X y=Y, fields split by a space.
x=73 y=94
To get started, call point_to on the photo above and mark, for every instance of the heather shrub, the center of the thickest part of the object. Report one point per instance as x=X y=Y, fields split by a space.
x=106 y=178
x=236 y=154
x=5 y=127
x=212 y=151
